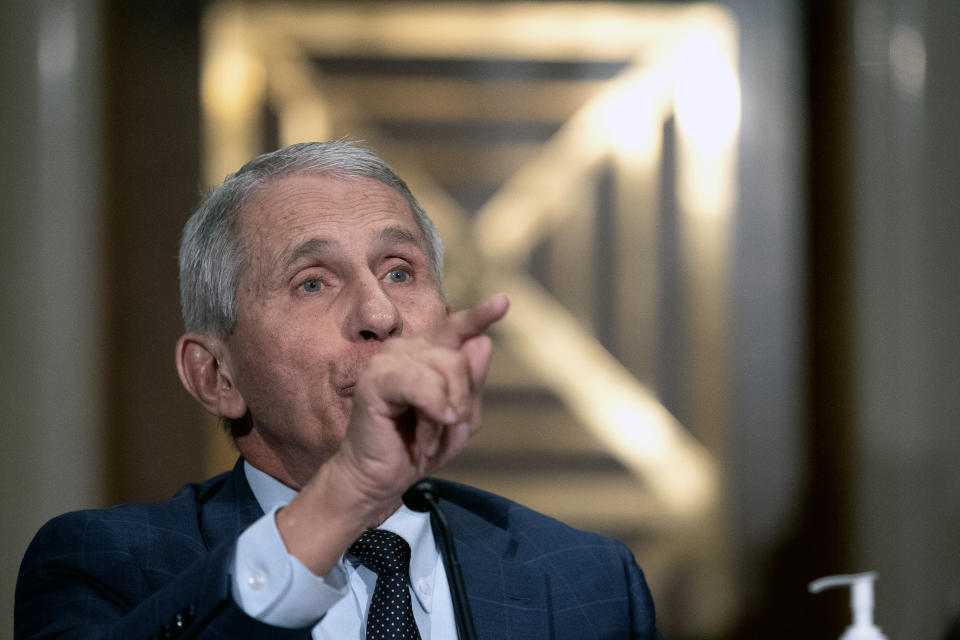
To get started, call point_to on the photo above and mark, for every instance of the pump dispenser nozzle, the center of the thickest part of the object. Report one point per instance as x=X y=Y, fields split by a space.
x=861 y=601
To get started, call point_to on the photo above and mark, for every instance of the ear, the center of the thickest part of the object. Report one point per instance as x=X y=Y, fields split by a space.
x=205 y=372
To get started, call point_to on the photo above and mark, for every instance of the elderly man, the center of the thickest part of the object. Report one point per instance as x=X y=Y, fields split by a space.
x=317 y=329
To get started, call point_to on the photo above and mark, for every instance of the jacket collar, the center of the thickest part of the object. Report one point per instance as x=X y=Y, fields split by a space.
x=505 y=595
x=227 y=506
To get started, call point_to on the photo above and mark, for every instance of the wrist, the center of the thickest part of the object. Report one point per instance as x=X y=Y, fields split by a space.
x=323 y=520
x=370 y=502
x=340 y=503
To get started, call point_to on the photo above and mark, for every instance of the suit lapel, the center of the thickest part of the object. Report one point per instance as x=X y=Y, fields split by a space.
x=508 y=599
x=228 y=506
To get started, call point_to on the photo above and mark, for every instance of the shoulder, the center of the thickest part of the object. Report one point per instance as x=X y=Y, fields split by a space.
x=115 y=572
x=585 y=573
x=529 y=531
x=172 y=515
x=151 y=533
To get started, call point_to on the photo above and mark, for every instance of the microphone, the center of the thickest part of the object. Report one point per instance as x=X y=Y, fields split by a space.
x=423 y=496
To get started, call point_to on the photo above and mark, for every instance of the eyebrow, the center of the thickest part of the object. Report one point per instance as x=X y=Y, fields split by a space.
x=311 y=248
x=399 y=235
x=316 y=247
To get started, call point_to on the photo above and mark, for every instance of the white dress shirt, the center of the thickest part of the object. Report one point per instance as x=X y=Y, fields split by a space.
x=274 y=587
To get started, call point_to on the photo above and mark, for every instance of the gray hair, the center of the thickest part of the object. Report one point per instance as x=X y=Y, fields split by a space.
x=212 y=254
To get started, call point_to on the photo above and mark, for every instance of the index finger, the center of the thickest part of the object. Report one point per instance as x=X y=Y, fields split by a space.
x=467 y=323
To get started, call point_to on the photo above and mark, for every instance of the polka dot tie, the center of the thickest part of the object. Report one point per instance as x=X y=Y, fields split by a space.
x=391 y=611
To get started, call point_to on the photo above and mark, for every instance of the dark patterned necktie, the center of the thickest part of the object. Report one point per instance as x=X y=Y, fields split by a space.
x=391 y=611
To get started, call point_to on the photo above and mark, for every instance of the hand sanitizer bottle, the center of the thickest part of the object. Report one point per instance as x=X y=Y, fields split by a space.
x=861 y=601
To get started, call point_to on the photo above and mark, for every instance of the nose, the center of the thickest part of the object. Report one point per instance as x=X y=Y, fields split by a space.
x=374 y=315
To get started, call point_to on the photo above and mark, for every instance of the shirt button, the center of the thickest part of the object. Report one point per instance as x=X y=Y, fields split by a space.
x=423 y=587
x=257 y=580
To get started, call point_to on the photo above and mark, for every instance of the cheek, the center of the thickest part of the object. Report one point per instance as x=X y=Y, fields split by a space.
x=270 y=364
x=425 y=314
x=295 y=388
x=421 y=305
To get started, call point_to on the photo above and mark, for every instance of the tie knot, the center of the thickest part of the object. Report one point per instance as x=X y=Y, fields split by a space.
x=382 y=551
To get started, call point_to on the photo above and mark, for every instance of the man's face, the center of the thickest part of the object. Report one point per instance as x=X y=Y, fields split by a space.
x=334 y=268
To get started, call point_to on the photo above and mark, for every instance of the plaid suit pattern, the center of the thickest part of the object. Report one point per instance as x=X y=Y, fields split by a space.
x=148 y=570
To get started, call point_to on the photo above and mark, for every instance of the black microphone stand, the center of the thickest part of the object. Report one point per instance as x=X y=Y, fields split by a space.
x=422 y=496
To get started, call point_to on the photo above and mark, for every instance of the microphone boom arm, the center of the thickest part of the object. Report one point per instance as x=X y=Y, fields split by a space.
x=422 y=496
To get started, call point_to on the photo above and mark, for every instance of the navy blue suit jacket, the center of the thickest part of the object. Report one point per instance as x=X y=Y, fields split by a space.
x=162 y=570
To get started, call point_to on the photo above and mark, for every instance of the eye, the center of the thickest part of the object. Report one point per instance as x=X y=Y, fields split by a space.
x=398 y=276
x=313 y=285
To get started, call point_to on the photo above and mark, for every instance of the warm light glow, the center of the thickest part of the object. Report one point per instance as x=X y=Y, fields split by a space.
x=630 y=115
x=233 y=75
x=689 y=60
x=525 y=30
x=533 y=201
x=671 y=61
x=706 y=92
x=233 y=85
x=625 y=116
x=232 y=81
x=607 y=399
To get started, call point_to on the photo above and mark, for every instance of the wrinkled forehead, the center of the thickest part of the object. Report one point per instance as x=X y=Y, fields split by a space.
x=285 y=212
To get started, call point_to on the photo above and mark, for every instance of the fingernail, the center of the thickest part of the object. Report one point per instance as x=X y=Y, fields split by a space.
x=449 y=416
x=431 y=447
x=461 y=433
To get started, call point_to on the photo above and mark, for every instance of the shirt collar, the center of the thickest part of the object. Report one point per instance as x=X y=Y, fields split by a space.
x=412 y=526
x=268 y=491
